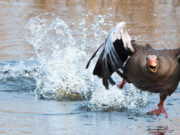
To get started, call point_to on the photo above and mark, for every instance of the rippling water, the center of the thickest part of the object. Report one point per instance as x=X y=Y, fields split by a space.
x=44 y=87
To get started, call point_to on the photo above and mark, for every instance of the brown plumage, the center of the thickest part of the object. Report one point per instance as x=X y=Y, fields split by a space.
x=149 y=69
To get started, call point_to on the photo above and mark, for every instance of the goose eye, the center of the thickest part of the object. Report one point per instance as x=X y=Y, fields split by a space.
x=147 y=58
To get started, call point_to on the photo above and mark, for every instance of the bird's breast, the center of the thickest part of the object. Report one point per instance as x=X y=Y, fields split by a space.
x=166 y=78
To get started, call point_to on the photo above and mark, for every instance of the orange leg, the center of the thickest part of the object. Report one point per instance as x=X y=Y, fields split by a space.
x=160 y=110
x=121 y=85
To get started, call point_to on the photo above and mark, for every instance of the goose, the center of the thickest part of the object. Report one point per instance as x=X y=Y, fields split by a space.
x=147 y=68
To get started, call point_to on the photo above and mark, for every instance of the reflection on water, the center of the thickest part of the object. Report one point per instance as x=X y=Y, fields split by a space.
x=89 y=21
x=159 y=130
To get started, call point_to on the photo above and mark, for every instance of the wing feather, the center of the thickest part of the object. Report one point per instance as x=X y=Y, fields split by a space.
x=117 y=49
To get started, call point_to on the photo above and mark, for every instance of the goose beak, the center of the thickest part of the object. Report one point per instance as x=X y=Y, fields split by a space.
x=153 y=64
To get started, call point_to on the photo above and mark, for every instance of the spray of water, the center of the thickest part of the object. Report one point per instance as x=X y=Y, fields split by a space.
x=17 y=76
x=62 y=53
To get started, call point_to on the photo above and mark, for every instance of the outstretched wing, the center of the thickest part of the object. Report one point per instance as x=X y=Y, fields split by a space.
x=117 y=49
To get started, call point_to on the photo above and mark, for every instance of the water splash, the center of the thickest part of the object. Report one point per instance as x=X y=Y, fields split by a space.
x=17 y=76
x=116 y=99
x=60 y=72
x=62 y=55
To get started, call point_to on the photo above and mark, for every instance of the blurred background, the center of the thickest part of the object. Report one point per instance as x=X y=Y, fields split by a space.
x=155 y=21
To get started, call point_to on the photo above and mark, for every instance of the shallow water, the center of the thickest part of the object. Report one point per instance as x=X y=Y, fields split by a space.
x=44 y=87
